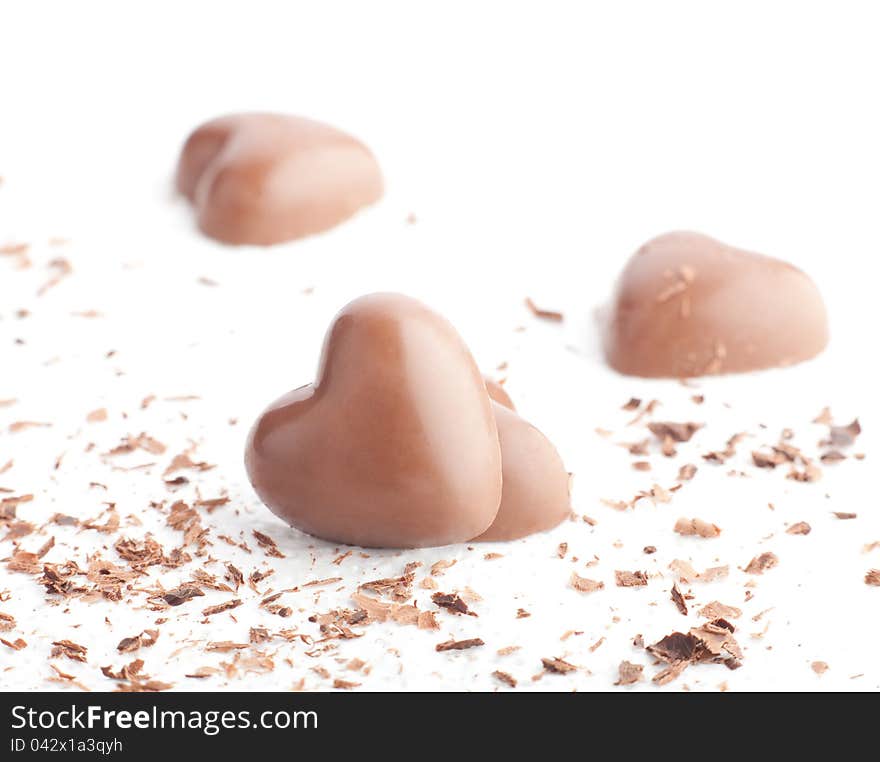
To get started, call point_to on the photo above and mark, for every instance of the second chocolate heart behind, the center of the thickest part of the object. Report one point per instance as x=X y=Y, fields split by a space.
x=399 y=443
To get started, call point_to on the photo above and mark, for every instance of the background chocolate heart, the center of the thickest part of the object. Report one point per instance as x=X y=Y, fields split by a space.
x=268 y=178
x=688 y=305
x=395 y=443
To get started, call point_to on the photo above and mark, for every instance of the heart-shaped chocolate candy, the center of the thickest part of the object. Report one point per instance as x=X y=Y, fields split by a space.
x=534 y=494
x=395 y=443
x=688 y=305
x=267 y=178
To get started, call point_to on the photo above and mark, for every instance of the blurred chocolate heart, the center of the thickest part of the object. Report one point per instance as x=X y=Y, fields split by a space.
x=267 y=178
x=688 y=305
x=393 y=445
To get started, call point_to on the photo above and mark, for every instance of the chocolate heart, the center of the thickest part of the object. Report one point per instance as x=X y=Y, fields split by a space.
x=267 y=178
x=534 y=492
x=688 y=305
x=394 y=445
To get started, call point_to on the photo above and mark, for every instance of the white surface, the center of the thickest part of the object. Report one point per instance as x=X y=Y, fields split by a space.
x=537 y=147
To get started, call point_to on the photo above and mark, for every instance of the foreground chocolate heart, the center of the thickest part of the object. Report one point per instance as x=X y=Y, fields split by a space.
x=268 y=178
x=534 y=494
x=688 y=305
x=394 y=445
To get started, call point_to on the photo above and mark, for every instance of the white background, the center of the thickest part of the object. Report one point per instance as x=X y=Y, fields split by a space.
x=537 y=144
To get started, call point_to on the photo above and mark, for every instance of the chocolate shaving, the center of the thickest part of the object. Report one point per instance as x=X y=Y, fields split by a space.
x=678 y=600
x=557 y=666
x=184 y=461
x=7 y=622
x=181 y=594
x=344 y=684
x=584 y=585
x=687 y=472
x=556 y=317
x=802 y=527
x=452 y=603
x=220 y=607
x=505 y=678
x=630 y=579
x=842 y=436
x=696 y=527
x=872 y=577
x=146 y=639
x=717 y=610
x=267 y=544
x=234 y=575
x=71 y=650
x=760 y=564
x=678 y=432
x=459 y=645
x=629 y=673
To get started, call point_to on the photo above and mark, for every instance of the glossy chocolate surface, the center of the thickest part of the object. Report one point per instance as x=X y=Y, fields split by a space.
x=688 y=305
x=393 y=445
x=535 y=490
x=267 y=178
